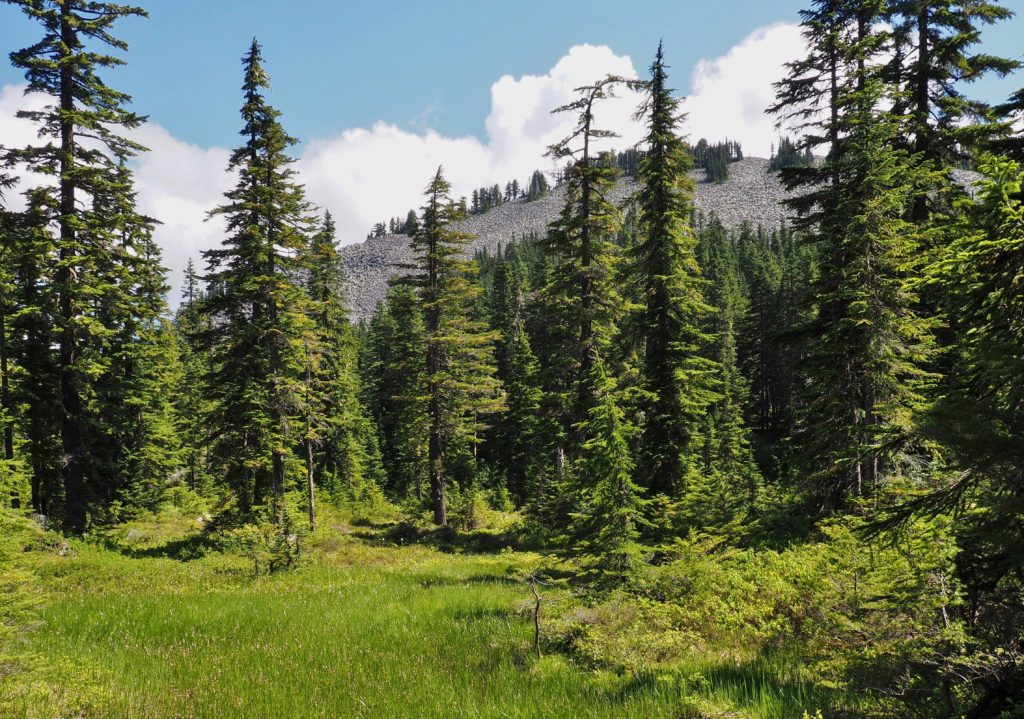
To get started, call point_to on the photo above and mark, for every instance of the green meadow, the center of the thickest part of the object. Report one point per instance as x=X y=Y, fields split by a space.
x=164 y=625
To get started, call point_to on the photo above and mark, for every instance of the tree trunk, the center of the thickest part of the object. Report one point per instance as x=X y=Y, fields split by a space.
x=309 y=484
x=71 y=433
x=5 y=399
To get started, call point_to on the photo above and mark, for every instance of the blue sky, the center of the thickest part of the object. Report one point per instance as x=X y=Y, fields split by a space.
x=340 y=64
x=381 y=93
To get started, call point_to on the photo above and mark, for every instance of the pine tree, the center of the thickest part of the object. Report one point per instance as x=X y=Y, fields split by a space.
x=260 y=330
x=87 y=112
x=461 y=387
x=677 y=381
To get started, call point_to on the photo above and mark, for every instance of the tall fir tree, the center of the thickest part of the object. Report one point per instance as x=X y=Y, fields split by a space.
x=86 y=159
x=726 y=489
x=580 y=301
x=260 y=328
x=868 y=346
x=190 y=395
x=461 y=387
x=677 y=380
x=516 y=433
x=608 y=523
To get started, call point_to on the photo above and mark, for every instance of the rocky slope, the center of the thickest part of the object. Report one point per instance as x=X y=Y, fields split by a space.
x=752 y=193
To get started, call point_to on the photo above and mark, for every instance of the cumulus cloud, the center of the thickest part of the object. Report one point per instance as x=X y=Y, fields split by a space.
x=368 y=175
x=365 y=175
x=730 y=94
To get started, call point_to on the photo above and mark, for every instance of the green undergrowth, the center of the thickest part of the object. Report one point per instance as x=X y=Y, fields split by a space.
x=379 y=616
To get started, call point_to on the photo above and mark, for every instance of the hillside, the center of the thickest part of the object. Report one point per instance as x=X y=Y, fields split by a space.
x=752 y=193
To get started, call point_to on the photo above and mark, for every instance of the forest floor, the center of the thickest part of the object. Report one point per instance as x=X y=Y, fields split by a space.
x=146 y=621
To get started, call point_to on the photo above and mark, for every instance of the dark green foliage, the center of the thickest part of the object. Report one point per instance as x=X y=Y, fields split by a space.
x=868 y=348
x=461 y=388
x=396 y=385
x=341 y=445
x=580 y=300
x=715 y=159
x=538 y=186
x=789 y=155
x=677 y=381
x=608 y=524
x=776 y=272
x=978 y=418
x=725 y=486
x=100 y=283
x=515 y=437
x=935 y=58
x=260 y=333
x=190 y=395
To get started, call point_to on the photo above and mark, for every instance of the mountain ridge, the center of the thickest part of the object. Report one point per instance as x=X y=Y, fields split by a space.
x=753 y=193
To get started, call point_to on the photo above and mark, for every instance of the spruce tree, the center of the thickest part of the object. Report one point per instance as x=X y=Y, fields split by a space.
x=727 y=487
x=461 y=387
x=677 y=380
x=190 y=396
x=86 y=113
x=260 y=329
x=516 y=433
x=608 y=524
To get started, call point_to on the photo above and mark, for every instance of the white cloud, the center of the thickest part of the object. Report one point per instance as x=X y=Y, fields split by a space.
x=730 y=93
x=366 y=175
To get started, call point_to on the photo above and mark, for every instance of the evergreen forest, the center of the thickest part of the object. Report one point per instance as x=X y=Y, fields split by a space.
x=645 y=464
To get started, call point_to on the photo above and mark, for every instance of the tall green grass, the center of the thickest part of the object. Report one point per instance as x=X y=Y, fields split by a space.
x=359 y=631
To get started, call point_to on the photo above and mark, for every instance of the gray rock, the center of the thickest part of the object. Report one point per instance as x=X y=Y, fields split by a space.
x=752 y=193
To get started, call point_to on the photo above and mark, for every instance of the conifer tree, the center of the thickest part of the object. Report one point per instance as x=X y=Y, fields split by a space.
x=611 y=507
x=86 y=113
x=516 y=434
x=677 y=381
x=461 y=387
x=190 y=397
x=933 y=60
x=260 y=329
x=394 y=375
x=728 y=483
x=339 y=441
x=580 y=300
x=868 y=343
x=32 y=251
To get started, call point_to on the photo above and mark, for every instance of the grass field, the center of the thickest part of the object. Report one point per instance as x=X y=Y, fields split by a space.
x=360 y=629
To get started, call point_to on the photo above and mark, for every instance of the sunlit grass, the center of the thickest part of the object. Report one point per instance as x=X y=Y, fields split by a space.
x=360 y=630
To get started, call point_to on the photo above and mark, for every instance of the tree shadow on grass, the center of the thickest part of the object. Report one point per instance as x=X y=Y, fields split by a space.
x=185 y=549
x=446 y=539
